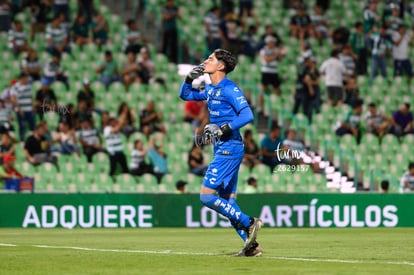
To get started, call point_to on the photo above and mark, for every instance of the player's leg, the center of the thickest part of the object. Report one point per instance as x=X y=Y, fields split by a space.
x=221 y=171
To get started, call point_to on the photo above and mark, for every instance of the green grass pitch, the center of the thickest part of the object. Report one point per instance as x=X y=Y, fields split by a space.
x=205 y=251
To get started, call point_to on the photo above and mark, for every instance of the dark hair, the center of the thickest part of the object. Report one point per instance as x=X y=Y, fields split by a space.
x=108 y=53
x=407 y=105
x=251 y=180
x=358 y=24
x=275 y=127
x=136 y=142
x=372 y=104
x=410 y=165
x=227 y=58
x=129 y=22
x=247 y=132
x=335 y=52
x=385 y=184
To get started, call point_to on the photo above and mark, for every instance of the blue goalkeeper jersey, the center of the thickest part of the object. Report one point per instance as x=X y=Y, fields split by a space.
x=226 y=104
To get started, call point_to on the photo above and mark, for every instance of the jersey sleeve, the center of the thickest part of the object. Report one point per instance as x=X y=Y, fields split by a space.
x=241 y=107
x=187 y=92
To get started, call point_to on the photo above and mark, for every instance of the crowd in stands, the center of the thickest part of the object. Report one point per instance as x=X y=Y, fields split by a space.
x=375 y=39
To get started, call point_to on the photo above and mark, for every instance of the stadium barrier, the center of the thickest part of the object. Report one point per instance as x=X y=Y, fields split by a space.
x=176 y=210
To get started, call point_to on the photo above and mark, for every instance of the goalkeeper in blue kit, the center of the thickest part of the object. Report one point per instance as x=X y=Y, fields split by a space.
x=229 y=111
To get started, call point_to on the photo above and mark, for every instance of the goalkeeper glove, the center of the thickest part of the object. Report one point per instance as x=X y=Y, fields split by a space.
x=214 y=132
x=194 y=73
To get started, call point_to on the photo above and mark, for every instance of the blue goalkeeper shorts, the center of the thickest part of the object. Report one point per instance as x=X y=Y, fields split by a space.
x=222 y=174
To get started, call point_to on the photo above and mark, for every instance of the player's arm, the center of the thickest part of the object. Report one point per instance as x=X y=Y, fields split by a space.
x=187 y=92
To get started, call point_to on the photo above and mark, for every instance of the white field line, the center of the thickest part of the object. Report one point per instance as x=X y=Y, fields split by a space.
x=169 y=252
x=7 y=244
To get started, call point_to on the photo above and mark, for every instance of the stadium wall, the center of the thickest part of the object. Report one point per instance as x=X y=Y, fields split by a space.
x=176 y=210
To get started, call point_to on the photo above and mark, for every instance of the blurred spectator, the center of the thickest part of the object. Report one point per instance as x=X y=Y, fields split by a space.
x=376 y=122
x=82 y=113
x=305 y=93
x=86 y=7
x=340 y=37
x=158 y=157
x=251 y=150
x=351 y=122
x=192 y=112
x=380 y=47
x=320 y=24
x=251 y=187
x=62 y=7
x=114 y=144
x=7 y=97
x=31 y=65
x=80 y=31
x=86 y=93
x=67 y=140
x=301 y=23
x=196 y=163
x=39 y=10
x=356 y=39
x=268 y=146
x=17 y=38
x=269 y=30
x=138 y=165
x=150 y=120
x=229 y=33
x=385 y=185
x=407 y=179
x=21 y=97
x=269 y=58
x=6 y=145
x=246 y=8
x=130 y=70
x=133 y=40
x=68 y=115
x=5 y=15
x=54 y=72
x=146 y=67
x=8 y=171
x=57 y=37
x=100 y=30
x=212 y=29
x=129 y=128
x=180 y=187
x=316 y=98
x=170 y=14
x=370 y=17
x=90 y=139
x=393 y=20
x=402 y=121
x=46 y=100
x=401 y=38
x=351 y=84
x=334 y=71
x=37 y=148
x=108 y=70
x=226 y=6
x=250 y=44
x=5 y=119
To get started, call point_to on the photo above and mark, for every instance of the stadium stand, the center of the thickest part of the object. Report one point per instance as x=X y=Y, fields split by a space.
x=347 y=165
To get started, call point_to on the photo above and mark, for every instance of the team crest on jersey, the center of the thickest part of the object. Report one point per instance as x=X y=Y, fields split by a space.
x=218 y=93
x=210 y=91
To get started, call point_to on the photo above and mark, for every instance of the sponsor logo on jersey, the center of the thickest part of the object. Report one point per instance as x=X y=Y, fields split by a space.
x=241 y=99
x=214 y=113
x=215 y=102
x=218 y=93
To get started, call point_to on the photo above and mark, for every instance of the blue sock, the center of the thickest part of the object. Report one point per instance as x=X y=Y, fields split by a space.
x=236 y=225
x=231 y=211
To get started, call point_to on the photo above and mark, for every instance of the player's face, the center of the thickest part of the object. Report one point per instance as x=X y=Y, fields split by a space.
x=212 y=65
